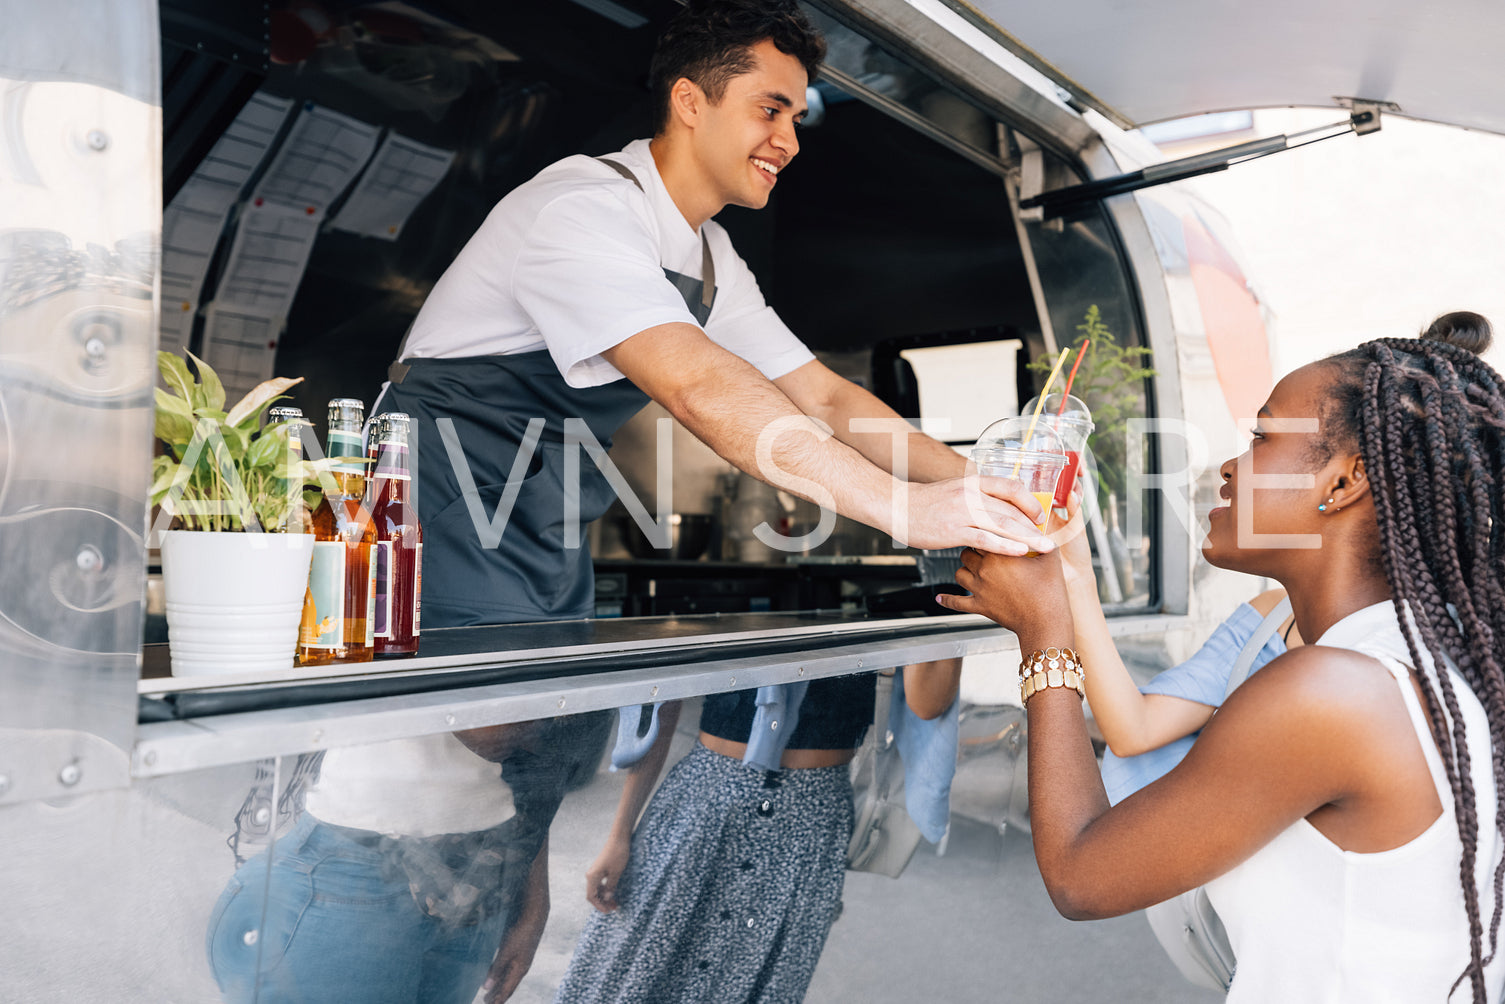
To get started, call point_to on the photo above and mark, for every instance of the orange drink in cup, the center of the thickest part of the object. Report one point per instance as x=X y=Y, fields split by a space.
x=1037 y=470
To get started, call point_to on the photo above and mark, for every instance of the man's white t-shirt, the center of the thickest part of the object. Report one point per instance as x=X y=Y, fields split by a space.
x=573 y=261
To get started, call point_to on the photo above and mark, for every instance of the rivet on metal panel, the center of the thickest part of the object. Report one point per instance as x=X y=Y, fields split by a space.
x=654 y=693
x=69 y=775
x=97 y=139
x=449 y=719
x=734 y=681
x=318 y=735
x=859 y=663
x=4 y=784
x=802 y=671
x=561 y=702
x=150 y=758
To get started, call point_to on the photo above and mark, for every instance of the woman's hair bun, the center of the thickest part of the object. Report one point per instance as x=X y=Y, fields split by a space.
x=1463 y=328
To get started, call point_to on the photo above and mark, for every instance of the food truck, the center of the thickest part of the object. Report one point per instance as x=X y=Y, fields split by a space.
x=970 y=199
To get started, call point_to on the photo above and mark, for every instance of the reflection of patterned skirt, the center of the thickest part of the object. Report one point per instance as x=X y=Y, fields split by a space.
x=735 y=877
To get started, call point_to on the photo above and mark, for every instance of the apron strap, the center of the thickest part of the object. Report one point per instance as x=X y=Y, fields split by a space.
x=398 y=370
x=707 y=266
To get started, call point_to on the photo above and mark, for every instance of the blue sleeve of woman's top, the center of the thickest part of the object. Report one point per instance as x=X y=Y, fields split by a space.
x=1204 y=679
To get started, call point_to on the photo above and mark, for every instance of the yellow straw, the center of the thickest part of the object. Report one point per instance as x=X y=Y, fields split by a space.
x=1040 y=403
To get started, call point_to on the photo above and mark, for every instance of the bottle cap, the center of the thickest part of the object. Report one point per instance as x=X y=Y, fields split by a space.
x=347 y=413
x=285 y=413
x=392 y=427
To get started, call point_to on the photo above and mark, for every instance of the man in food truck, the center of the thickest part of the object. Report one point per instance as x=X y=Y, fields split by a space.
x=603 y=268
x=596 y=286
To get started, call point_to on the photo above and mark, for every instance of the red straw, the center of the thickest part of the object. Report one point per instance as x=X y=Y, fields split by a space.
x=1066 y=393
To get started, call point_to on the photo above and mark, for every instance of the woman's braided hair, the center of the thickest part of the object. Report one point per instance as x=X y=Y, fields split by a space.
x=1428 y=418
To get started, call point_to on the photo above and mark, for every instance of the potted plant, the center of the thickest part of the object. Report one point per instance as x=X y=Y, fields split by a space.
x=235 y=551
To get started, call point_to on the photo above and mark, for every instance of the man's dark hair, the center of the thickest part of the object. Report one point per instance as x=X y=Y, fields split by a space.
x=710 y=42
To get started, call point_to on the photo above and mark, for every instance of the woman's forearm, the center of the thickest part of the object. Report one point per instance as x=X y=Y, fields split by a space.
x=643 y=775
x=930 y=687
x=1117 y=705
x=1065 y=789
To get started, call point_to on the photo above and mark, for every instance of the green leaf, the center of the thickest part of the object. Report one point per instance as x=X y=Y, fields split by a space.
x=212 y=392
x=237 y=441
x=175 y=375
x=163 y=470
x=173 y=404
x=260 y=397
x=174 y=430
x=268 y=448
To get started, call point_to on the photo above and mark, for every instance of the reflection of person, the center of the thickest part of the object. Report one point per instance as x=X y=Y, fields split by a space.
x=1330 y=841
x=395 y=885
x=728 y=886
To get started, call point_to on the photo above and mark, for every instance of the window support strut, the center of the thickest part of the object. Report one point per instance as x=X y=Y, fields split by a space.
x=1364 y=119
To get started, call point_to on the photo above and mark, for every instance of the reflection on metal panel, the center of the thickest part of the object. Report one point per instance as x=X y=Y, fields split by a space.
x=79 y=183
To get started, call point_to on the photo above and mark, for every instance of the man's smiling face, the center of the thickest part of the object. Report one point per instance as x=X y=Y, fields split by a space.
x=746 y=139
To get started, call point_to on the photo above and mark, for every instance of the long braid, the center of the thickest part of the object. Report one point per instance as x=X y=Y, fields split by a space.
x=1429 y=420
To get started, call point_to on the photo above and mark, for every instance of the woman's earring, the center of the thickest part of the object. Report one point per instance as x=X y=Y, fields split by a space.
x=1323 y=506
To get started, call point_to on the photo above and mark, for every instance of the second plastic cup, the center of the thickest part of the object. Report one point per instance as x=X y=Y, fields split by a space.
x=1038 y=470
x=1069 y=419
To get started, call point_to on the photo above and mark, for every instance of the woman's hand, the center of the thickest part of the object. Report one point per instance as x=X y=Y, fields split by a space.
x=1023 y=594
x=1070 y=536
x=606 y=871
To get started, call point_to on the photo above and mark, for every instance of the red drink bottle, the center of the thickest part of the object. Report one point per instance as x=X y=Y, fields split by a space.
x=399 y=540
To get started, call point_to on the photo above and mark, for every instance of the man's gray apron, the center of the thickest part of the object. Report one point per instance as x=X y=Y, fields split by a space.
x=528 y=574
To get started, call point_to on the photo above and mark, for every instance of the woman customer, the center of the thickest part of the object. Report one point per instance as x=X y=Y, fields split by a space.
x=1342 y=807
x=727 y=888
x=1148 y=730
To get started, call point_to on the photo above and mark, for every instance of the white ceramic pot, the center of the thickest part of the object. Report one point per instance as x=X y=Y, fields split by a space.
x=233 y=599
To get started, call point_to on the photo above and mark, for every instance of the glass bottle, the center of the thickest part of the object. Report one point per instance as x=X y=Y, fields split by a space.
x=342 y=578
x=399 y=540
x=297 y=518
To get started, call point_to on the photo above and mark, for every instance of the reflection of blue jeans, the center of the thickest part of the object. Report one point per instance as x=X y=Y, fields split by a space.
x=334 y=930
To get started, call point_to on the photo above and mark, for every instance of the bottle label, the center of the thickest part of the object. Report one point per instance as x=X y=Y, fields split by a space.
x=417 y=585
x=383 y=561
x=324 y=603
x=347 y=444
x=370 y=595
x=392 y=462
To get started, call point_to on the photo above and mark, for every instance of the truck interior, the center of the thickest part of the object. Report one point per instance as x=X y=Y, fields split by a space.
x=894 y=231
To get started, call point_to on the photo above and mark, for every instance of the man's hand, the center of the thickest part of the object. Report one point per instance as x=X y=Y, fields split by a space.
x=520 y=943
x=986 y=513
x=606 y=871
x=514 y=958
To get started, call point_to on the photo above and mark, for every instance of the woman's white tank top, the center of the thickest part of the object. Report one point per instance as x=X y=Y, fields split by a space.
x=1310 y=922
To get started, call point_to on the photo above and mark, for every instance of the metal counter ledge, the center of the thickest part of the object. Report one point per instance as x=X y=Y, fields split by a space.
x=478 y=676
